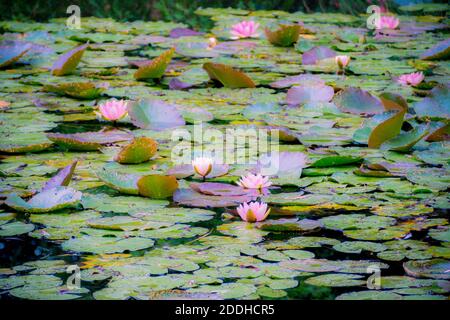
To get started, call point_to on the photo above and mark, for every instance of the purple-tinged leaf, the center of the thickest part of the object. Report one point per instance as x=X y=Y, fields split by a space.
x=309 y=93
x=358 y=101
x=183 y=32
x=68 y=61
x=317 y=53
x=301 y=79
x=191 y=198
x=441 y=51
x=62 y=178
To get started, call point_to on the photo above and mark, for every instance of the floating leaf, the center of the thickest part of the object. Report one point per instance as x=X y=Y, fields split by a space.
x=358 y=101
x=62 y=178
x=440 y=51
x=284 y=36
x=435 y=269
x=46 y=201
x=67 y=62
x=124 y=183
x=406 y=140
x=387 y=129
x=316 y=54
x=309 y=93
x=15 y=228
x=78 y=90
x=336 y=280
x=290 y=225
x=155 y=69
x=333 y=161
x=228 y=76
x=157 y=186
x=139 y=150
x=155 y=115
x=102 y=245
x=436 y=104
x=88 y=141
x=12 y=54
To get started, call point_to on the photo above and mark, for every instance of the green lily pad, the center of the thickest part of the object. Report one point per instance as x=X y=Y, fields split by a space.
x=336 y=280
x=15 y=228
x=102 y=245
x=157 y=186
x=49 y=200
x=155 y=69
x=78 y=90
x=228 y=76
x=139 y=150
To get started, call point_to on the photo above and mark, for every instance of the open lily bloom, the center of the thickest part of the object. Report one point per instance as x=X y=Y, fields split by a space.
x=202 y=166
x=411 y=79
x=342 y=61
x=253 y=211
x=254 y=181
x=387 y=22
x=113 y=110
x=212 y=42
x=245 y=29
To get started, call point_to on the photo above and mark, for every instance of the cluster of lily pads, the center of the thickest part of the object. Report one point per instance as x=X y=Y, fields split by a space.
x=87 y=178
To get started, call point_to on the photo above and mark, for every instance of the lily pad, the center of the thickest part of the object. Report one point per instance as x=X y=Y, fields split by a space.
x=139 y=150
x=157 y=186
x=67 y=62
x=228 y=76
x=155 y=69
x=49 y=200
x=155 y=115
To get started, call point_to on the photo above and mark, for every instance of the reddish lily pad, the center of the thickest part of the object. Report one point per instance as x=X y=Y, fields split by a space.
x=191 y=198
x=219 y=189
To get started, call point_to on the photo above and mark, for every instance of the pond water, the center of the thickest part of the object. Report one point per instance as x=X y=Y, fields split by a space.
x=99 y=209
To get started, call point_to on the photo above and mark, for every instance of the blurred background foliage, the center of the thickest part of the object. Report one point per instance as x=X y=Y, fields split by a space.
x=177 y=10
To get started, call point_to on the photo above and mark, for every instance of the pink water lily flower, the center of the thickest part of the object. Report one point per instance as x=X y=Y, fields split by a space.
x=387 y=22
x=202 y=166
x=342 y=61
x=411 y=79
x=254 y=181
x=113 y=110
x=245 y=29
x=212 y=42
x=253 y=211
